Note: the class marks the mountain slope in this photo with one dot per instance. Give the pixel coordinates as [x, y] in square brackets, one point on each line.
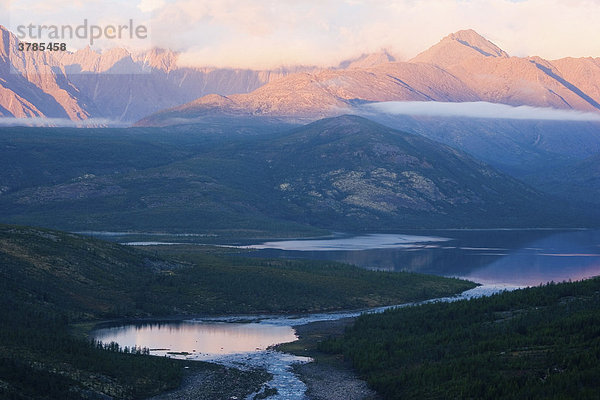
[33, 84]
[458, 47]
[121, 86]
[368, 60]
[353, 171]
[115, 84]
[584, 73]
[517, 147]
[464, 66]
[498, 78]
[550, 156]
[127, 86]
[522, 81]
[340, 173]
[576, 182]
[309, 96]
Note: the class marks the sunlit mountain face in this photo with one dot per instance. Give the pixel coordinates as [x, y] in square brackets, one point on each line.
[462, 67]
[119, 85]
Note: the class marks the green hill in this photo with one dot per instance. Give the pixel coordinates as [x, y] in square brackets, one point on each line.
[535, 343]
[351, 173]
[344, 173]
[50, 280]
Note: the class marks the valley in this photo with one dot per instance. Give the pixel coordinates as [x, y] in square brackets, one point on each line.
[218, 194]
[343, 173]
[311, 201]
[52, 280]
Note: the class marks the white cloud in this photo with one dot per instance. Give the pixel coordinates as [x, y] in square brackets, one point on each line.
[60, 122]
[150, 5]
[262, 33]
[478, 109]
[267, 33]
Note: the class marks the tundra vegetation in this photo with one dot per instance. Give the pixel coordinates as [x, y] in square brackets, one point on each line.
[55, 286]
[540, 342]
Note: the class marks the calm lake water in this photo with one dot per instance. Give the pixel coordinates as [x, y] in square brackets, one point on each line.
[513, 257]
[241, 345]
[499, 259]
[234, 342]
[200, 339]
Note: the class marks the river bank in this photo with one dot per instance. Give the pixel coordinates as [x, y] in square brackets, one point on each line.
[331, 377]
[293, 373]
[327, 377]
[216, 382]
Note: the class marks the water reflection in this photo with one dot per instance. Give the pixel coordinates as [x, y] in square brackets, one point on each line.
[514, 257]
[199, 339]
[558, 257]
[240, 345]
[180, 335]
[502, 258]
[364, 242]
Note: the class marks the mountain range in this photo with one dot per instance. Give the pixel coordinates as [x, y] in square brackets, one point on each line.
[341, 173]
[122, 86]
[116, 84]
[462, 67]
[552, 156]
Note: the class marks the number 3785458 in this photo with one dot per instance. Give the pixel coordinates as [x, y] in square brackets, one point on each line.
[27, 46]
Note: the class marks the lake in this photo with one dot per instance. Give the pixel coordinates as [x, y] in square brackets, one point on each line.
[521, 257]
[203, 340]
[499, 259]
[241, 345]
[240, 341]
[515, 257]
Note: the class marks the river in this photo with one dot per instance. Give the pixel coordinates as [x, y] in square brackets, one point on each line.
[242, 341]
[498, 259]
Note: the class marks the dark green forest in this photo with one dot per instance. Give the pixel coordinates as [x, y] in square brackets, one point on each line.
[41, 359]
[541, 342]
[341, 174]
[51, 281]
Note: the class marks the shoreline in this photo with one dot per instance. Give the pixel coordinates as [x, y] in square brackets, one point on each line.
[327, 377]
[209, 381]
[330, 377]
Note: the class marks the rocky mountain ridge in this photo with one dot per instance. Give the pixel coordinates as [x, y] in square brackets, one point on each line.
[116, 84]
[122, 86]
[463, 66]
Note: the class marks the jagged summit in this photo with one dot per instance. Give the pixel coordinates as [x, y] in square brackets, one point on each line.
[368, 60]
[33, 84]
[459, 46]
[159, 59]
[470, 38]
[120, 85]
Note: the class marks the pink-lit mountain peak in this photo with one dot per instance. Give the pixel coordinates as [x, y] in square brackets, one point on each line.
[116, 84]
[470, 38]
[459, 46]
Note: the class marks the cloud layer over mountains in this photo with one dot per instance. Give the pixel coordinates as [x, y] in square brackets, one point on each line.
[268, 34]
[479, 109]
[153, 87]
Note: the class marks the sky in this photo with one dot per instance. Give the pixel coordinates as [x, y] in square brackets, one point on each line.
[271, 33]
